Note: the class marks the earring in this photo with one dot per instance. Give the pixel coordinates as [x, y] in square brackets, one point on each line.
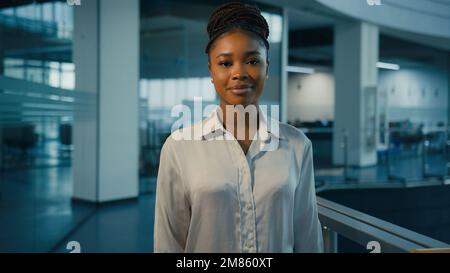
[267, 76]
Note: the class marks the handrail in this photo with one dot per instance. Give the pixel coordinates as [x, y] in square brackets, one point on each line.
[425, 130]
[363, 228]
[23, 101]
[24, 86]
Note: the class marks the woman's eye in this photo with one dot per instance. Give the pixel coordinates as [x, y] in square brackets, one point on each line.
[253, 62]
[225, 64]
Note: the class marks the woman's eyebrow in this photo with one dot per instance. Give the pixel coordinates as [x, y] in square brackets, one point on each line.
[253, 52]
[248, 53]
[224, 54]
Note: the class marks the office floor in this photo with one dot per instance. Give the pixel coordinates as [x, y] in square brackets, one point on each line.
[36, 209]
[121, 227]
[37, 215]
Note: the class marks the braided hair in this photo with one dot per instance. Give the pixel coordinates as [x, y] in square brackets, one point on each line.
[233, 16]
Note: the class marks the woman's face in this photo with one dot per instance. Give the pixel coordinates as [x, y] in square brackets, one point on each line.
[238, 66]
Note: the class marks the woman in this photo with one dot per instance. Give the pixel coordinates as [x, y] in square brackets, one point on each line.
[231, 194]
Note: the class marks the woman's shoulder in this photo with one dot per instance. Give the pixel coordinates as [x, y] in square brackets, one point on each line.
[184, 135]
[293, 134]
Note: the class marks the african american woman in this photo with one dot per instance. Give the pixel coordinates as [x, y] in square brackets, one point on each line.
[232, 194]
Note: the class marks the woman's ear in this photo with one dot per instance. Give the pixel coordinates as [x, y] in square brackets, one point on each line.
[209, 68]
[267, 69]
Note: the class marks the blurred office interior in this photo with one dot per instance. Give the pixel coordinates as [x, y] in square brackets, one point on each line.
[87, 88]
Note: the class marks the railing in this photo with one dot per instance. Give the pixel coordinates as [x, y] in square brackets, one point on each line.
[37, 26]
[370, 232]
[42, 27]
[24, 101]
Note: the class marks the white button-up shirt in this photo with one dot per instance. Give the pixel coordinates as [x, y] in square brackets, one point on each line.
[211, 197]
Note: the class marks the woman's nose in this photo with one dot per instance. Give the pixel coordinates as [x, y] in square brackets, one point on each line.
[239, 72]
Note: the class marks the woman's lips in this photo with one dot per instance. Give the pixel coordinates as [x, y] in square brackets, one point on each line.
[241, 91]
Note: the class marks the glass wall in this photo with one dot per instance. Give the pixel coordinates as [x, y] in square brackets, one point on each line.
[37, 100]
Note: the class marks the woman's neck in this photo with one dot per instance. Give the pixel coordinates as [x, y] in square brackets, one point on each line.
[241, 121]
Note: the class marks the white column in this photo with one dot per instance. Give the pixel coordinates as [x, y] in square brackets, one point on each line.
[356, 75]
[106, 57]
[284, 64]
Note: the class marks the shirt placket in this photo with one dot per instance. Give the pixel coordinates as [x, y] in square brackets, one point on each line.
[246, 202]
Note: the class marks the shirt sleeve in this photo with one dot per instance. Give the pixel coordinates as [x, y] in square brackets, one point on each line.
[307, 228]
[172, 210]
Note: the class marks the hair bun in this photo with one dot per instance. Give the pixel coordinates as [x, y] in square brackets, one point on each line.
[236, 15]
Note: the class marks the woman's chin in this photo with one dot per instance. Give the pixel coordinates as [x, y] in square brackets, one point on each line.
[240, 100]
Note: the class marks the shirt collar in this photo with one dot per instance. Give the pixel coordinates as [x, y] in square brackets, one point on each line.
[214, 126]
